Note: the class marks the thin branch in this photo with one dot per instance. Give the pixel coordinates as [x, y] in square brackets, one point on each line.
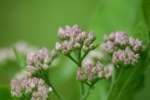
[56, 92]
[82, 91]
[69, 56]
[59, 96]
[88, 91]
[87, 94]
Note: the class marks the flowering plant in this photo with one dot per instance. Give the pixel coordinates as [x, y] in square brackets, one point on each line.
[117, 60]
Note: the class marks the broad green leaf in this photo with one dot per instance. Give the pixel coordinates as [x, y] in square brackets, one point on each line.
[5, 93]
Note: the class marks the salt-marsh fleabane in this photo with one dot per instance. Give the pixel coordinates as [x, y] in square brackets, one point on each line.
[118, 49]
[91, 73]
[126, 56]
[93, 69]
[72, 37]
[33, 83]
[40, 60]
[26, 85]
[122, 48]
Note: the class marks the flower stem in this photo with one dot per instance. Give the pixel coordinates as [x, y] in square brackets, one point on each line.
[88, 91]
[56, 93]
[70, 57]
[46, 77]
[87, 94]
[113, 76]
[113, 84]
[82, 91]
[80, 65]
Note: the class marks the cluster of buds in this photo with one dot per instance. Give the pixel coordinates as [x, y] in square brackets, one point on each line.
[25, 84]
[39, 60]
[93, 69]
[72, 37]
[124, 49]
[126, 56]
[92, 72]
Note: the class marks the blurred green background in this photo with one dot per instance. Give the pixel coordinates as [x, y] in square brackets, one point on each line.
[37, 21]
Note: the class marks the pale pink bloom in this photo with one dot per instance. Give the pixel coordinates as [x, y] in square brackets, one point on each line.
[38, 60]
[26, 84]
[108, 46]
[118, 56]
[120, 38]
[90, 70]
[135, 44]
[126, 56]
[72, 37]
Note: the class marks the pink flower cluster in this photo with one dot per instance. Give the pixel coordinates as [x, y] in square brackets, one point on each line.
[135, 44]
[92, 72]
[124, 49]
[126, 56]
[39, 60]
[24, 84]
[72, 37]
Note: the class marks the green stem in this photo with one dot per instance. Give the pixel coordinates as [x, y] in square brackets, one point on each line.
[59, 96]
[69, 56]
[113, 76]
[85, 54]
[56, 93]
[19, 58]
[87, 94]
[82, 91]
[79, 63]
[113, 85]
[88, 91]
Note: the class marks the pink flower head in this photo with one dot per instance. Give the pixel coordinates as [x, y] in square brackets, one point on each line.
[38, 60]
[126, 56]
[108, 46]
[33, 85]
[121, 38]
[69, 31]
[72, 37]
[135, 44]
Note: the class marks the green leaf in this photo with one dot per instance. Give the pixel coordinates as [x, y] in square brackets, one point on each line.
[20, 58]
[5, 92]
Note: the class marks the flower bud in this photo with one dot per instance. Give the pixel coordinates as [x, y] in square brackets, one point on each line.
[58, 46]
[135, 44]
[108, 46]
[74, 39]
[81, 74]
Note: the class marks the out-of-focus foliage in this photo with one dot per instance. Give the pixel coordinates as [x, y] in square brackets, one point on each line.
[37, 21]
